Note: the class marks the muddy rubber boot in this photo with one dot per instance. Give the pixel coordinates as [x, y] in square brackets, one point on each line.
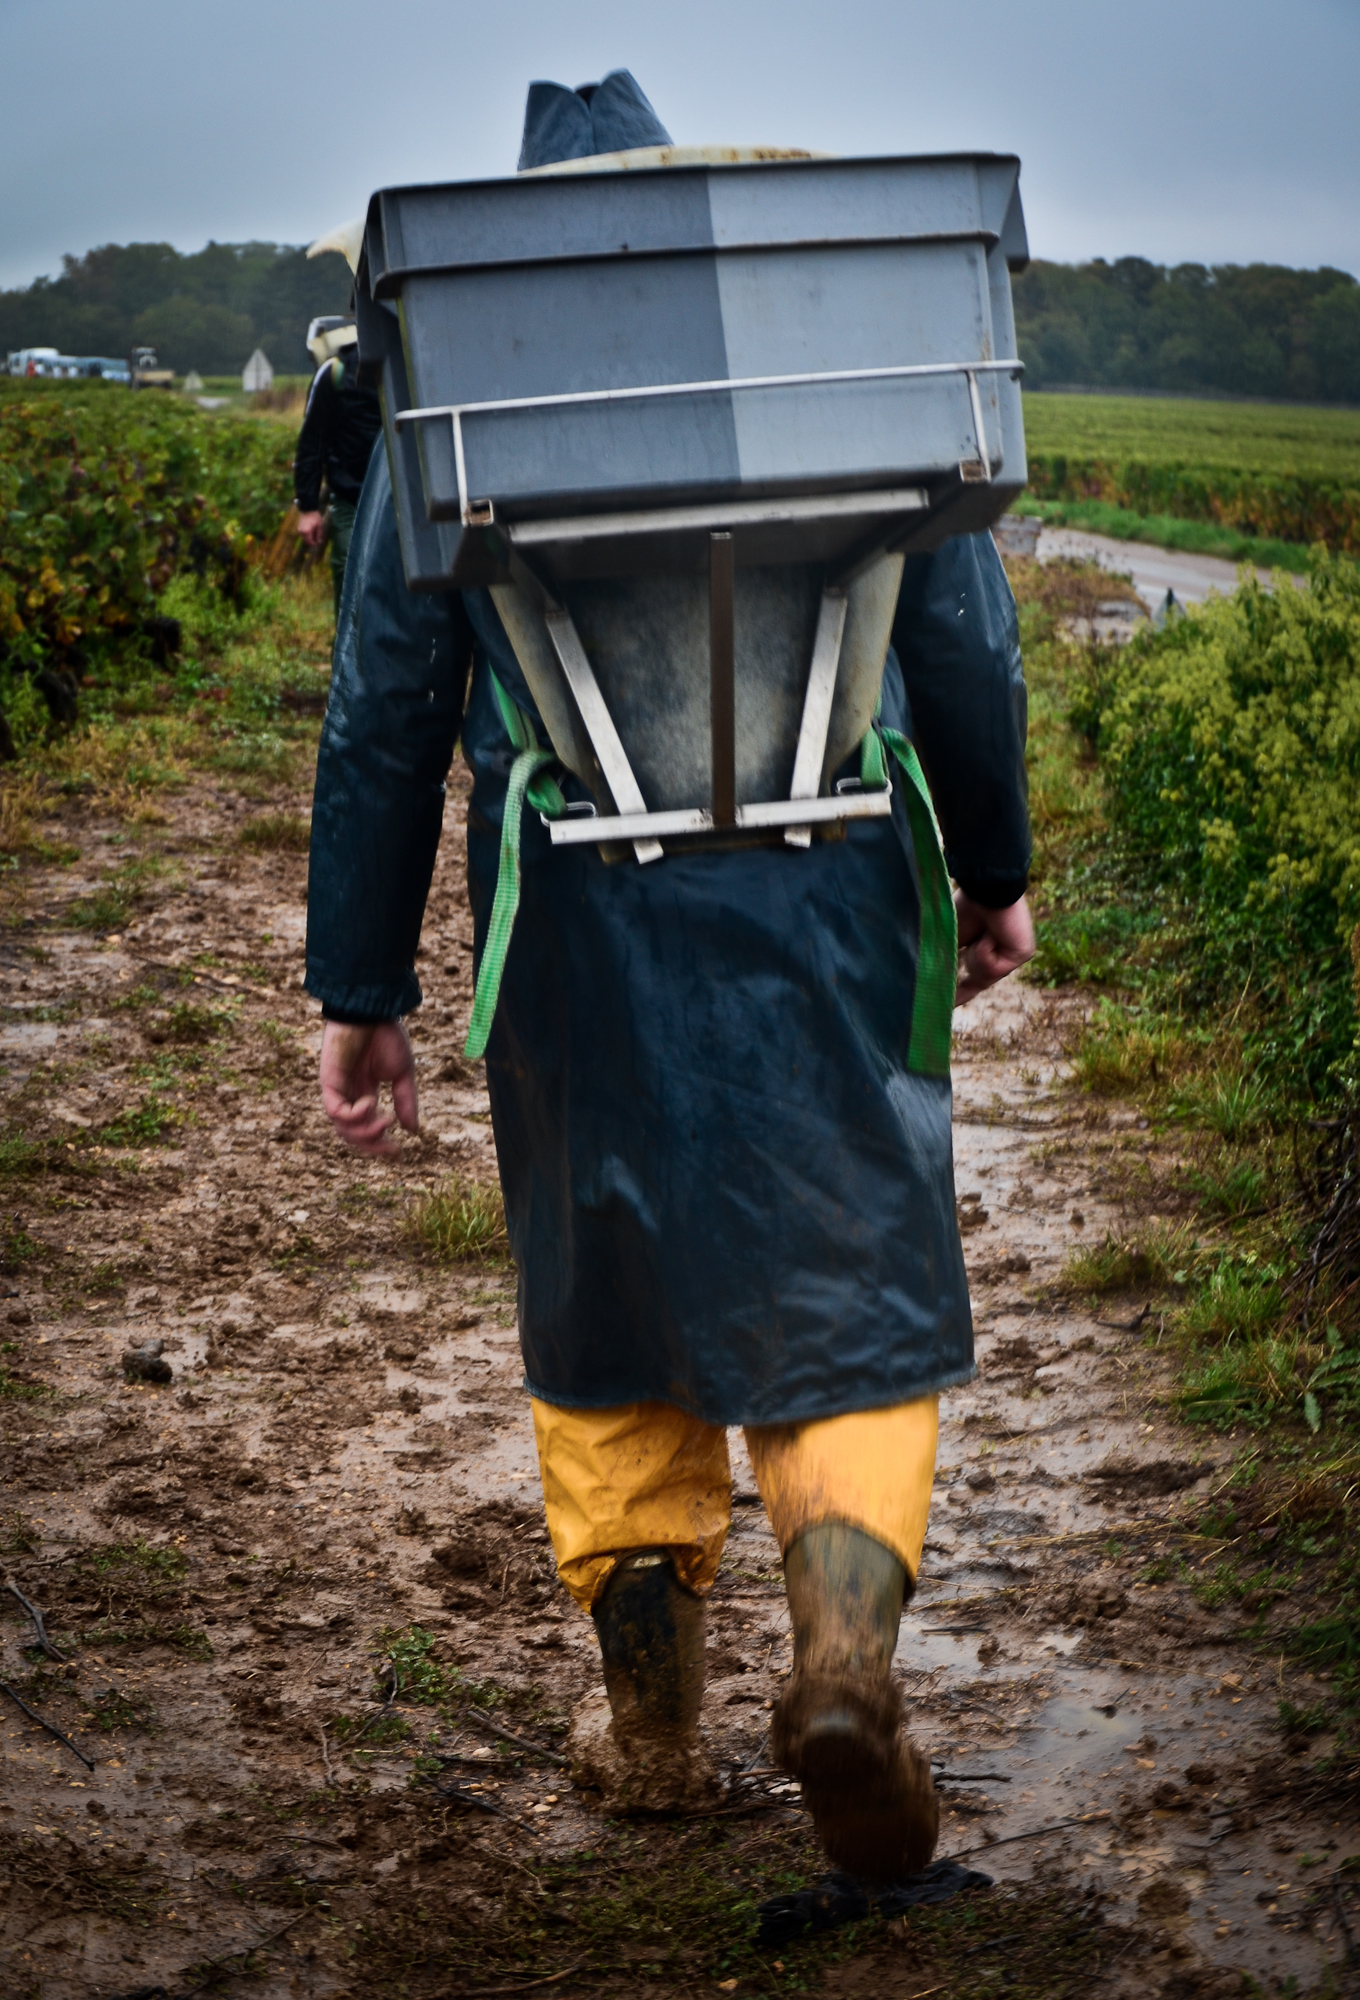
[638, 1742]
[838, 1724]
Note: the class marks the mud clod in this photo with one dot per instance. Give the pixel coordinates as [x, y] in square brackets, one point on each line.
[146, 1363]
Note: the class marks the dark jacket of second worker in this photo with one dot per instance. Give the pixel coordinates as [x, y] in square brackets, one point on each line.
[338, 434]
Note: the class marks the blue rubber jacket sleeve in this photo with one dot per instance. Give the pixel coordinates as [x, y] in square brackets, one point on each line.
[398, 683]
[957, 639]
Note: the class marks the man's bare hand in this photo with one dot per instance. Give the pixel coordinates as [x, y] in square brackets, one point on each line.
[312, 528]
[992, 943]
[355, 1063]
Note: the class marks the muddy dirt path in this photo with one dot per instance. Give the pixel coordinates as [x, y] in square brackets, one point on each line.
[233, 1562]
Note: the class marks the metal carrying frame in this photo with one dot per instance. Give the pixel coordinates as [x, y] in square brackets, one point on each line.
[531, 542]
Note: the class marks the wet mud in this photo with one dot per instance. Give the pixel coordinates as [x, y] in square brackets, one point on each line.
[301, 1612]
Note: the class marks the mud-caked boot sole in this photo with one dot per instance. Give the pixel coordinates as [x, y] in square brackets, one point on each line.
[867, 1786]
[638, 1775]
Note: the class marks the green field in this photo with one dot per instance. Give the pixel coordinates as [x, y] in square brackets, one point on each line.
[1250, 437]
[1263, 482]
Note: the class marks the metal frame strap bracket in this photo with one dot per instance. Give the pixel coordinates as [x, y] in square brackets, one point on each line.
[817, 703]
[604, 737]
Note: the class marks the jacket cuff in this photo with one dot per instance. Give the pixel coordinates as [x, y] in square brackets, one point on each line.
[363, 1006]
[993, 892]
[310, 504]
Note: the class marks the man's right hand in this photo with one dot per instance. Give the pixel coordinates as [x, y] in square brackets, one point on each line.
[355, 1063]
[992, 944]
[312, 528]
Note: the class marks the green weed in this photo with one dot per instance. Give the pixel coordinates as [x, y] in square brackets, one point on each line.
[1231, 1194]
[373, 1733]
[1120, 1053]
[1236, 1107]
[1240, 1299]
[420, 1676]
[109, 908]
[115, 1710]
[17, 1248]
[1154, 1260]
[1334, 1385]
[1303, 1721]
[146, 1126]
[252, 753]
[462, 1224]
[106, 1276]
[277, 833]
[19, 1536]
[1249, 1381]
[1162, 1569]
[17, 1389]
[1098, 946]
[136, 998]
[423, 1678]
[162, 1566]
[185, 1022]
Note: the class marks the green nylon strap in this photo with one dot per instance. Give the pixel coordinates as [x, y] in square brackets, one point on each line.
[528, 779]
[937, 965]
[932, 1012]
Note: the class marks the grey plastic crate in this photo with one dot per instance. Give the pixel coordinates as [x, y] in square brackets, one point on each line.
[599, 349]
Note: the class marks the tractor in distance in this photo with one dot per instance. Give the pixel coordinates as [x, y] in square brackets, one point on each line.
[145, 373]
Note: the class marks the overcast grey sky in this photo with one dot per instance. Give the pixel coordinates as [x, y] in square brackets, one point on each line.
[1214, 130]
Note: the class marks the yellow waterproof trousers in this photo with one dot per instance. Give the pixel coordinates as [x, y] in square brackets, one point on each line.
[647, 1476]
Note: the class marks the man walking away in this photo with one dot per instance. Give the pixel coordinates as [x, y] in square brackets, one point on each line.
[720, 1093]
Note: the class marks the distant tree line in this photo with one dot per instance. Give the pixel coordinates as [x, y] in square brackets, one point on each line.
[1242, 330]
[208, 310]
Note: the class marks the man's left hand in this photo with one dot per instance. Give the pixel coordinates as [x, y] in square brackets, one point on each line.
[992, 944]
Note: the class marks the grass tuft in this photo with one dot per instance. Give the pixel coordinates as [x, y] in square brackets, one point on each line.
[146, 1126]
[1238, 1190]
[16, 1389]
[184, 1022]
[1235, 1106]
[464, 1223]
[1155, 1260]
[1250, 1382]
[277, 832]
[1118, 1054]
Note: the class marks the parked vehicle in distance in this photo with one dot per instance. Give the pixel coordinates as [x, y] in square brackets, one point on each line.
[144, 372]
[48, 363]
[33, 360]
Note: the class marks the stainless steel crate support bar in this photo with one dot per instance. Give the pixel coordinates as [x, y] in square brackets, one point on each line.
[604, 737]
[457, 411]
